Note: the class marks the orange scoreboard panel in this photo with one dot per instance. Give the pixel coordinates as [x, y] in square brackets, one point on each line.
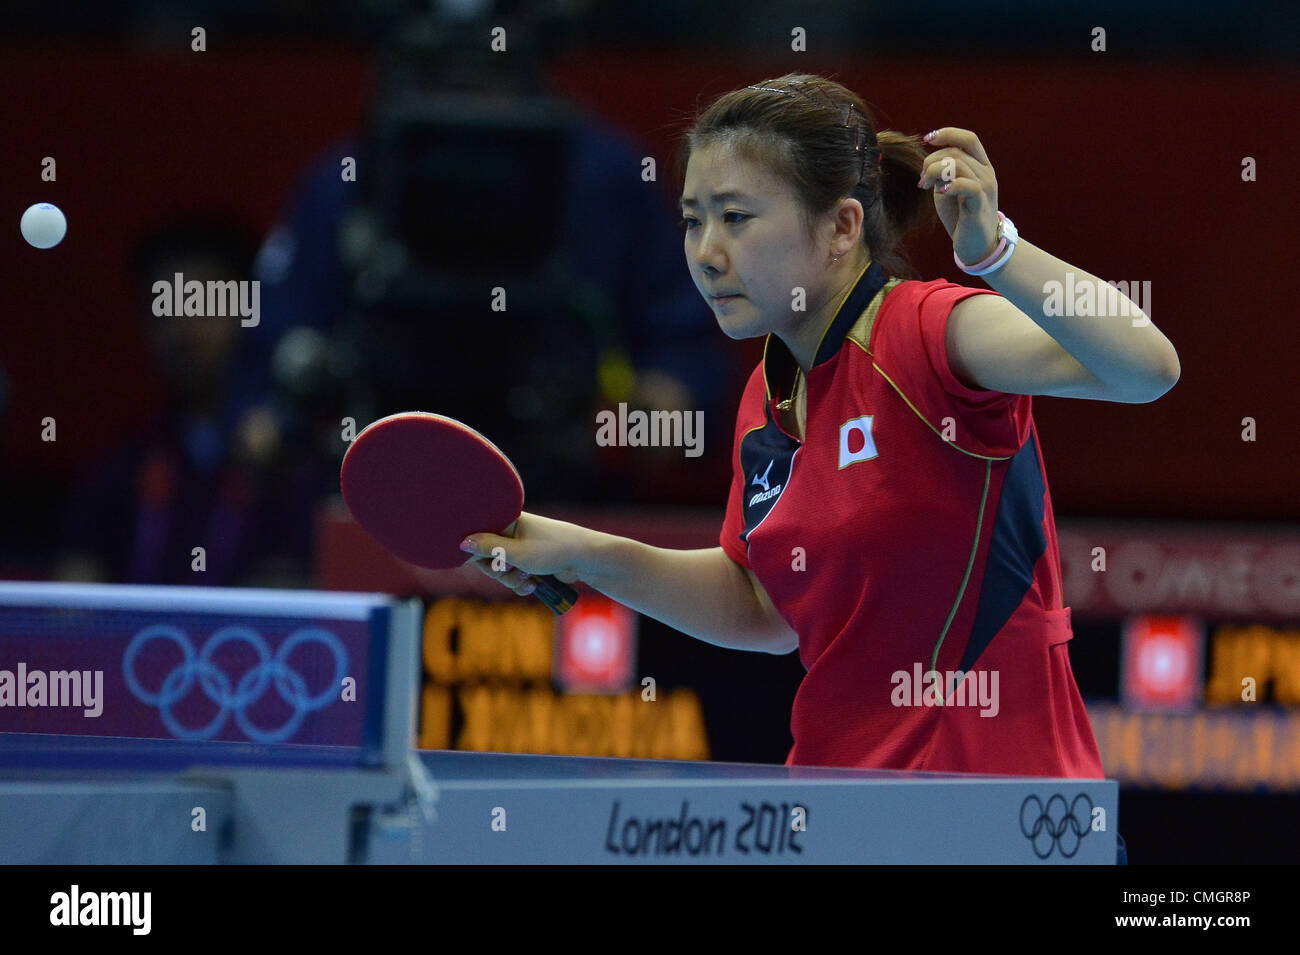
[1209, 651]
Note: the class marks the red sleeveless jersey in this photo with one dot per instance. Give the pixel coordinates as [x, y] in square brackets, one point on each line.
[909, 541]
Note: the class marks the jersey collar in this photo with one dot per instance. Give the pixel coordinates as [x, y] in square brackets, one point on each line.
[779, 364]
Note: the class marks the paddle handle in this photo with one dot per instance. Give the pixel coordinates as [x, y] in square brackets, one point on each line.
[556, 594]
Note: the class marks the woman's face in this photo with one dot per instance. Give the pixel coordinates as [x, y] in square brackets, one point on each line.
[751, 244]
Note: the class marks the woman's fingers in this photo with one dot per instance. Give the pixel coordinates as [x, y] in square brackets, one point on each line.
[511, 577]
[963, 139]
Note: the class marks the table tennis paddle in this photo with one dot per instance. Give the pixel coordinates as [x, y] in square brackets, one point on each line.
[419, 483]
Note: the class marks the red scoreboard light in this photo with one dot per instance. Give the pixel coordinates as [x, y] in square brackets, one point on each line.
[595, 645]
[1161, 665]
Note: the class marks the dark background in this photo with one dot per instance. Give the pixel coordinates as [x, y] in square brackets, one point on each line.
[1126, 163]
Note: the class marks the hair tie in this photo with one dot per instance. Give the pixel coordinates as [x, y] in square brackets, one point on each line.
[880, 156]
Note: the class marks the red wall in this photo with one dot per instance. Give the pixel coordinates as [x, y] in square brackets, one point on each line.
[1128, 171]
[136, 137]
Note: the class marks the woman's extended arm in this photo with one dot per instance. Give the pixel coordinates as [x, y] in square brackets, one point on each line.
[703, 593]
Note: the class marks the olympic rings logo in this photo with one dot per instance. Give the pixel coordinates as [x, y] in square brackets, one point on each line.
[269, 670]
[1056, 825]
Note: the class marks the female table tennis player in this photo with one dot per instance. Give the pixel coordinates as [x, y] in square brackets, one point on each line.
[889, 513]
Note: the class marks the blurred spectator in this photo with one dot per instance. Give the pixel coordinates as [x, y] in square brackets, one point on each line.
[208, 470]
[615, 237]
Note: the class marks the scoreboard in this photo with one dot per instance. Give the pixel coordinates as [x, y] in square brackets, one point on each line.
[501, 676]
[1198, 623]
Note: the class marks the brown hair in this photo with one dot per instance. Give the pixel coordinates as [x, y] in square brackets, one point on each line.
[820, 137]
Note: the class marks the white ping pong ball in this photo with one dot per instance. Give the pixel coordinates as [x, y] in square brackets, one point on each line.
[44, 225]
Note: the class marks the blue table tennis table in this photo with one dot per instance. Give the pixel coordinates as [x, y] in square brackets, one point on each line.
[67, 798]
[132, 801]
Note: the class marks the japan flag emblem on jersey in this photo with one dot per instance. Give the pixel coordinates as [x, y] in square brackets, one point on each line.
[856, 443]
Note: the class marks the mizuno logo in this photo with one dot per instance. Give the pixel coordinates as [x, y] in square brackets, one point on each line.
[763, 482]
